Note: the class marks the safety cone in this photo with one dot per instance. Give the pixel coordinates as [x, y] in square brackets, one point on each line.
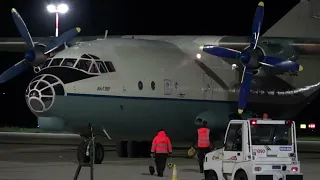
[174, 173]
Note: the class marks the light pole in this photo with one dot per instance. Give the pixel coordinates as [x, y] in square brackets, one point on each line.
[61, 8]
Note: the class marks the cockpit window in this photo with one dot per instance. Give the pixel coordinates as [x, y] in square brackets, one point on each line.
[83, 64]
[101, 67]
[94, 68]
[109, 66]
[68, 62]
[85, 56]
[93, 56]
[45, 64]
[56, 62]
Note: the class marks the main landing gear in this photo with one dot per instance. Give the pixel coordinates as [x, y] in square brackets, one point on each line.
[133, 149]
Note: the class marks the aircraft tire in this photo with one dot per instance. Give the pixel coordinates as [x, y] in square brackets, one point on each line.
[145, 148]
[99, 153]
[121, 149]
[132, 149]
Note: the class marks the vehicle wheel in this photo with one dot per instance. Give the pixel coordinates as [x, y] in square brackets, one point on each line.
[241, 175]
[211, 175]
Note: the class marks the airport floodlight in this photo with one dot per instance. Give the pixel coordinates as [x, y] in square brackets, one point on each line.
[60, 8]
[51, 8]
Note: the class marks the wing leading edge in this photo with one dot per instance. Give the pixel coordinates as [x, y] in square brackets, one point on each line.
[18, 44]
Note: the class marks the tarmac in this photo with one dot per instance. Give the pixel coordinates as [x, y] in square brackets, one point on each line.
[39, 161]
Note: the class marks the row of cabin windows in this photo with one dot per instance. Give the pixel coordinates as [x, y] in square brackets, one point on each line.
[83, 64]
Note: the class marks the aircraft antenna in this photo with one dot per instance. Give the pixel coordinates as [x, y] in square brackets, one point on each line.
[106, 34]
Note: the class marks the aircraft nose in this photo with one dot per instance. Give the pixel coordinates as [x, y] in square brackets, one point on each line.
[42, 90]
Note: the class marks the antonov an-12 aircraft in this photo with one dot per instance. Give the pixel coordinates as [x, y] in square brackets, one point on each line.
[128, 87]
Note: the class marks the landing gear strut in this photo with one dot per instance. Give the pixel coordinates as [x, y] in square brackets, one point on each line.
[89, 153]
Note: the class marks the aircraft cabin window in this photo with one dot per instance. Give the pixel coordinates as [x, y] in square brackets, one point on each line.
[153, 85]
[94, 68]
[86, 56]
[83, 64]
[56, 62]
[110, 66]
[46, 64]
[68, 62]
[140, 85]
[50, 79]
[93, 56]
[101, 67]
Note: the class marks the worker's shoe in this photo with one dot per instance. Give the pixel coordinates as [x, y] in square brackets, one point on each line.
[201, 170]
[160, 174]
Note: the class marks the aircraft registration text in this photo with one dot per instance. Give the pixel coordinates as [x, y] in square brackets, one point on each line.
[103, 88]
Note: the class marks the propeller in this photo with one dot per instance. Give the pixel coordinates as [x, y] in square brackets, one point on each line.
[35, 55]
[251, 58]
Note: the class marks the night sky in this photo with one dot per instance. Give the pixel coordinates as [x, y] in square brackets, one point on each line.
[124, 17]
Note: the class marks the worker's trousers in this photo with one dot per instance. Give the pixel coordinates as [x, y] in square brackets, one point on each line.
[201, 155]
[161, 161]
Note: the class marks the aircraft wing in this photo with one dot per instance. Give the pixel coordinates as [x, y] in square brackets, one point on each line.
[18, 44]
[304, 46]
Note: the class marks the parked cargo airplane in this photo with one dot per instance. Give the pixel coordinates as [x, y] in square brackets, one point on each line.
[130, 86]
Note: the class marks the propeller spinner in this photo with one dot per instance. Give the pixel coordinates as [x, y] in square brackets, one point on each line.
[33, 52]
[251, 59]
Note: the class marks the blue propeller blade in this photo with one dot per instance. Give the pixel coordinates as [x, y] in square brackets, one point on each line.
[245, 89]
[256, 26]
[246, 56]
[221, 51]
[282, 64]
[22, 28]
[58, 41]
[13, 71]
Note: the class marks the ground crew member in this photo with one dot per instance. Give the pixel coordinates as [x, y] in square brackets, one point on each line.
[161, 148]
[204, 142]
[265, 116]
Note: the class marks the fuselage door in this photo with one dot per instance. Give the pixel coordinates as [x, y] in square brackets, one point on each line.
[167, 87]
[207, 87]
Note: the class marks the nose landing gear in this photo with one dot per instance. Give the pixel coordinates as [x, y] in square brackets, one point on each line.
[89, 153]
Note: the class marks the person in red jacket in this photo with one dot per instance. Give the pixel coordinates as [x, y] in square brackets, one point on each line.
[161, 148]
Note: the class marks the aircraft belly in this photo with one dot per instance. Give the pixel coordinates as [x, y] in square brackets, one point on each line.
[140, 118]
[136, 117]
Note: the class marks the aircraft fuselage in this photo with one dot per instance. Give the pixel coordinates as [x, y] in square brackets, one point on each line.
[158, 83]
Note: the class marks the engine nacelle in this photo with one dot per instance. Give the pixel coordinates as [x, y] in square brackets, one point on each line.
[274, 50]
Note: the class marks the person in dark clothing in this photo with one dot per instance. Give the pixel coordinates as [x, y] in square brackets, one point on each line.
[161, 149]
[204, 142]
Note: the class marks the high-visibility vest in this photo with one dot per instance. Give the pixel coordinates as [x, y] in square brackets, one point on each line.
[161, 144]
[203, 137]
